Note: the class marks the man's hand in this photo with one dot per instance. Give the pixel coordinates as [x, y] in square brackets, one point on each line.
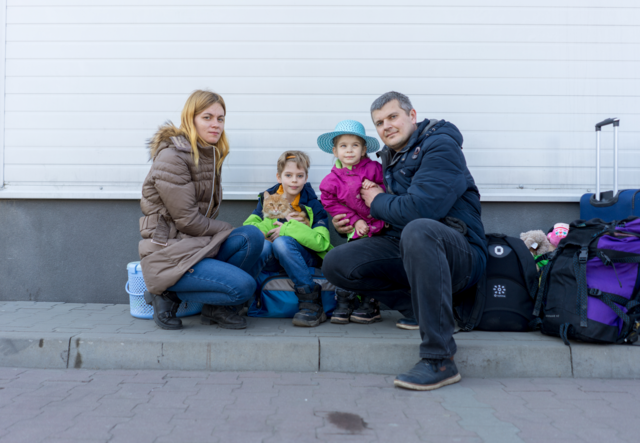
[341, 224]
[274, 233]
[298, 216]
[369, 194]
[362, 228]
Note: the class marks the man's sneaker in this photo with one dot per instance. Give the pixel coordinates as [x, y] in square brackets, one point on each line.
[429, 374]
[408, 323]
[368, 312]
[343, 310]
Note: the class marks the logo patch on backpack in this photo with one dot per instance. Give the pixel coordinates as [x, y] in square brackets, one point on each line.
[499, 251]
[499, 291]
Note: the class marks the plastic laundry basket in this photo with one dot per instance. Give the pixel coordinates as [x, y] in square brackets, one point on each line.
[139, 308]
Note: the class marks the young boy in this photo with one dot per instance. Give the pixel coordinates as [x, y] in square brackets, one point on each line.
[292, 244]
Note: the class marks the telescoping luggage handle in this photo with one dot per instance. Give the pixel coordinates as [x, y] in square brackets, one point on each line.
[616, 123]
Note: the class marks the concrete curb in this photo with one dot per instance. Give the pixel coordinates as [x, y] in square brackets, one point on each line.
[107, 337]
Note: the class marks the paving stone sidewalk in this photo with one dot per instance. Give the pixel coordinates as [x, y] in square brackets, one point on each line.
[56, 406]
[97, 336]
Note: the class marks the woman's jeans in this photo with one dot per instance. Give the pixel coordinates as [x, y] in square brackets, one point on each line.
[224, 280]
[286, 253]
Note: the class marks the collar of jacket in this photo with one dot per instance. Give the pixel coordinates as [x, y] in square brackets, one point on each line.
[345, 170]
[417, 136]
[182, 144]
[306, 194]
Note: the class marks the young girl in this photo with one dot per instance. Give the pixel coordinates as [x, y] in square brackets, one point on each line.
[340, 189]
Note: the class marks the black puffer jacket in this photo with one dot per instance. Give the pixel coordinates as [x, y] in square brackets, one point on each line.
[429, 178]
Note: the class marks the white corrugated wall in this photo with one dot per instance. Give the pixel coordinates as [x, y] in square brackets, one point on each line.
[88, 81]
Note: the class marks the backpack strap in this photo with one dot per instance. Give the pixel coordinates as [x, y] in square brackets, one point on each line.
[614, 301]
[542, 292]
[580, 259]
[564, 331]
[527, 264]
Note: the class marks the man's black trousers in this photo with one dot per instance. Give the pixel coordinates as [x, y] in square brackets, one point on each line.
[429, 263]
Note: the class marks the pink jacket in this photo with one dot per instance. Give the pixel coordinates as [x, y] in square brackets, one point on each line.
[341, 193]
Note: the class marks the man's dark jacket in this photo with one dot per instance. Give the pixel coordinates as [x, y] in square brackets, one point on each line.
[429, 178]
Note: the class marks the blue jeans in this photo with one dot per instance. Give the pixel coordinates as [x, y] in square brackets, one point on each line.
[286, 253]
[224, 280]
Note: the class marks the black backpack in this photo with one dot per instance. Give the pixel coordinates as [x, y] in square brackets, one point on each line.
[594, 258]
[503, 298]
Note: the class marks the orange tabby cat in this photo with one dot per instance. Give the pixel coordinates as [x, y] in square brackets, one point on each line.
[277, 207]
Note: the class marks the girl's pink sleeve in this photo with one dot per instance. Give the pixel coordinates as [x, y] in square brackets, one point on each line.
[333, 206]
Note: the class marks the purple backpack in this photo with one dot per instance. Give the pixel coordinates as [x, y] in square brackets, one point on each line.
[590, 289]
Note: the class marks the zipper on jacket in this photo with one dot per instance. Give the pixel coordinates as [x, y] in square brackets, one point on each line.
[213, 185]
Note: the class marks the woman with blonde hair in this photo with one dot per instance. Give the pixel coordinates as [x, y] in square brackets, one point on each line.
[186, 254]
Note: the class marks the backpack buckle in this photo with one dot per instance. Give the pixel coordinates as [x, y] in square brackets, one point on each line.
[584, 256]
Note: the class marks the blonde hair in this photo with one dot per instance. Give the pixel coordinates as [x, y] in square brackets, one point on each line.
[197, 103]
[298, 157]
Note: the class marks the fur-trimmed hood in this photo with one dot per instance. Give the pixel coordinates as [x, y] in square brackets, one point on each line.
[163, 138]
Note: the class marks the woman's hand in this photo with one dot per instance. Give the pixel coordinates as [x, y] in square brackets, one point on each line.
[274, 233]
[341, 224]
[299, 217]
[362, 228]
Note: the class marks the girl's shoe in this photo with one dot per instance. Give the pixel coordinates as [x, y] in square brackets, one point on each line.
[343, 310]
[311, 311]
[368, 312]
[165, 307]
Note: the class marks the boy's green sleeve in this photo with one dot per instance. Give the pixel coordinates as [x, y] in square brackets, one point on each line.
[255, 220]
[317, 239]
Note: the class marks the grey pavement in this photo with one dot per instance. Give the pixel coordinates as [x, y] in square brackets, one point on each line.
[105, 336]
[80, 405]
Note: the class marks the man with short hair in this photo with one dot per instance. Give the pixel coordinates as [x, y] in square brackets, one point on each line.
[433, 245]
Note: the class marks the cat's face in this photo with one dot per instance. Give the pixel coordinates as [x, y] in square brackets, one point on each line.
[275, 206]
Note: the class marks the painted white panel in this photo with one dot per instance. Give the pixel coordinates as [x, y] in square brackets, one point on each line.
[204, 48]
[89, 81]
[3, 21]
[324, 14]
[355, 32]
[426, 104]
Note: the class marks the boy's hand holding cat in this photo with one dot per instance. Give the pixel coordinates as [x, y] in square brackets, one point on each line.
[299, 217]
[274, 233]
[362, 228]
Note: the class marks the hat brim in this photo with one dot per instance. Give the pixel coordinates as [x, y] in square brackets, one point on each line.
[325, 141]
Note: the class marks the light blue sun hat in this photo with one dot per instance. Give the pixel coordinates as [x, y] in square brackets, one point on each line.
[352, 127]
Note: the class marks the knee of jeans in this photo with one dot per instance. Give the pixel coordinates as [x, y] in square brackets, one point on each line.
[282, 246]
[245, 288]
[254, 236]
[419, 235]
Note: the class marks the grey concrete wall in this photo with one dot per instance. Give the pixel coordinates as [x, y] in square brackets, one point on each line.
[77, 250]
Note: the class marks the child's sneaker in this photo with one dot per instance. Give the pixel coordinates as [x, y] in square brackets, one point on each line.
[408, 323]
[368, 312]
[343, 310]
[311, 313]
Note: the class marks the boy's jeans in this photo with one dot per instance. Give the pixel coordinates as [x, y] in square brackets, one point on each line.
[225, 279]
[286, 253]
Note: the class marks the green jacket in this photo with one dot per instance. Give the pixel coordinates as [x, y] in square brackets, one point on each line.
[317, 239]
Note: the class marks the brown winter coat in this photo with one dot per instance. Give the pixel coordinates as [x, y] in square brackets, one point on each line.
[179, 227]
